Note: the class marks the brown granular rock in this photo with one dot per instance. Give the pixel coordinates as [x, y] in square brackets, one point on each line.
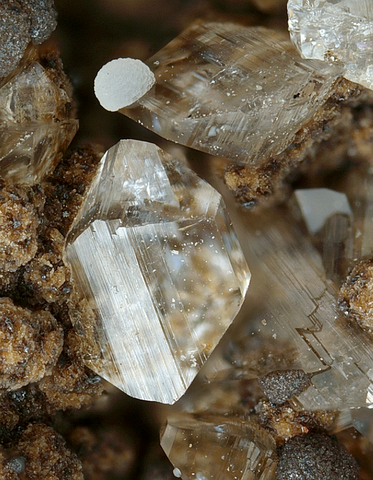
[105, 452]
[46, 277]
[284, 422]
[71, 384]
[47, 456]
[18, 226]
[356, 294]
[316, 457]
[31, 343]
[280, 385]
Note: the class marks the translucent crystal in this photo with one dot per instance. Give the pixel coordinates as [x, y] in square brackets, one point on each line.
[34, 124]
[293, 320]
[156, 261]
[208, 447]
[335, 30]
[233, 91]
[362, 420]
[329, 220]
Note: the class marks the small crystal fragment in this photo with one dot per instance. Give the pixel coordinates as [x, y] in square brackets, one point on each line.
[35, 125]
[122, 82]
[212, 447]
[237, 92]
[335, 30]
[158, 266]
[319, 204]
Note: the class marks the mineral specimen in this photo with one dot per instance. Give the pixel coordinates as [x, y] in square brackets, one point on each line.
[35, 124]
[22, 21]
[316, 457]
[212, 446]
[158, 266]
[237, 92]
[337, 31]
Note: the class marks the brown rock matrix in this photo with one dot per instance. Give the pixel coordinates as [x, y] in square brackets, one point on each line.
[31, 343]
[18, 226]
[316, 457]
[280, 385]
[357, 294]
[22, 22]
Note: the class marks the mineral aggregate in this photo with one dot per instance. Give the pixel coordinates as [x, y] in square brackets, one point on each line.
[22, 22]
[281, 385]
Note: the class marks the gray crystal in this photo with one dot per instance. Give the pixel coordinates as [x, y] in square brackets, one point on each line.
[156, 261]
[335, 30]
[238, 92]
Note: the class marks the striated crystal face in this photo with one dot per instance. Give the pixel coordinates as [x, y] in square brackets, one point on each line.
[157, 263]
[232, 91]
[335, 30]
[218, 447]
[34, 124]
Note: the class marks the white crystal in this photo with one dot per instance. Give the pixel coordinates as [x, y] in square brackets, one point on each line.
[153, 254]
[319, 204]
[336, 30]
[122, 82]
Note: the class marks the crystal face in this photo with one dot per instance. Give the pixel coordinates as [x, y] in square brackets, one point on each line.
[155, 258]
[34, 124]
[219, 447]
[335, 30]
[233, 91]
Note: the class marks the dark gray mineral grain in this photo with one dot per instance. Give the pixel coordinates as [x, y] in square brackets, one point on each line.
[281, 385]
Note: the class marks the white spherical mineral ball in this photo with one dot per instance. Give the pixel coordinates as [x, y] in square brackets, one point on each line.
[122, 82]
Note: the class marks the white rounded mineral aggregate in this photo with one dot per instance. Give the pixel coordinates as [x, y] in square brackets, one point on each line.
[121, 82]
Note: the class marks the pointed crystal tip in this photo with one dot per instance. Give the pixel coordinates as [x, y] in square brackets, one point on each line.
[159, 269]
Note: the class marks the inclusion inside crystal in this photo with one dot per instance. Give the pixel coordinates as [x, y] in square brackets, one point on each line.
[155, 257]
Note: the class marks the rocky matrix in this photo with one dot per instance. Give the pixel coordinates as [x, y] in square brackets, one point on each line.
[156, 272]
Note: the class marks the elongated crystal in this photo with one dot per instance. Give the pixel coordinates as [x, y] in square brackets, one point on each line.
[156, 261]
[335, 30]
[237, 92]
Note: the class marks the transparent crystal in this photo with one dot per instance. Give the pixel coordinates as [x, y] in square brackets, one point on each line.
[233, 91]
[335, 30]
[156, 260]
[293, 321]
[34, 125]
[362, 420]
[217, 447]
[329, 220]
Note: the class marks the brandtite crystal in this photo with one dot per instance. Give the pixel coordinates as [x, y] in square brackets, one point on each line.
[233, 91]
[157, 263]
[337, 31]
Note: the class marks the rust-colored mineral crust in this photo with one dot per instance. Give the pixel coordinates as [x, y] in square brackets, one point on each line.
[31, 343]
[356, 298]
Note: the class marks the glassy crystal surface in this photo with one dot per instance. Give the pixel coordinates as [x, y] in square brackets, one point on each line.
[217, 447]
[34, 125]
[232, 91]
[293, 320]
[329, 220]
[335, 30]
[156, 260]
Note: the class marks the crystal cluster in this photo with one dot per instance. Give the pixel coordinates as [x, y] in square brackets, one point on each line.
[335, 30]
[156, 261]
[35, 123]
[237, 92]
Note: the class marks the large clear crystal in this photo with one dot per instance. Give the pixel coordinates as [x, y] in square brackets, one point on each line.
[233, 91]
[157, 263]
[206, 446]
[34, 124]
[335, 30]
